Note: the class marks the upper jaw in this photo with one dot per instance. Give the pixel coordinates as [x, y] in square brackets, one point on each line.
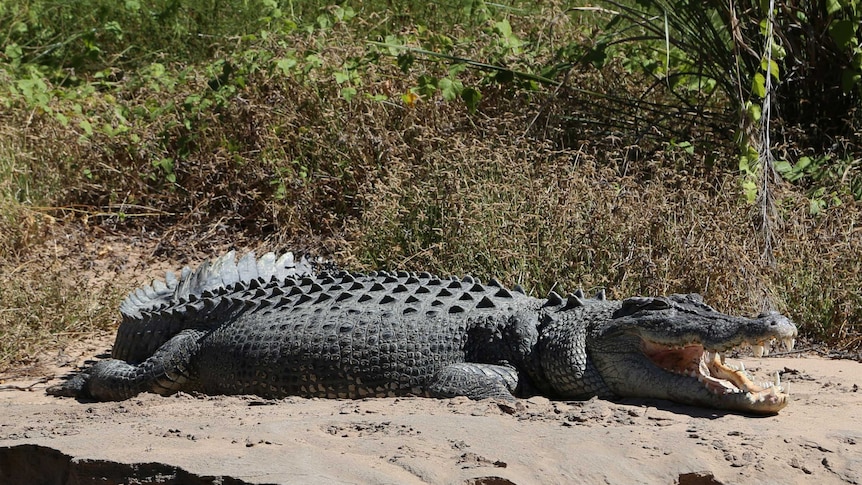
[716, 331]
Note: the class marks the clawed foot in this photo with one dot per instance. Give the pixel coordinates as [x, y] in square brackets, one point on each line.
[76, 386]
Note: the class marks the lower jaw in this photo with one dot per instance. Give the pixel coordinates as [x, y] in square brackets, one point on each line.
[766, 401]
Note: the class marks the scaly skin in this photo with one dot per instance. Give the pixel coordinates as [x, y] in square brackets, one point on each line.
[269, 327]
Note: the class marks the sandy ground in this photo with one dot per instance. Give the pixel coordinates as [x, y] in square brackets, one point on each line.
[816, 439]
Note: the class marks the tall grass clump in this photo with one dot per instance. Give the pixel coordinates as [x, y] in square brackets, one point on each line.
[804, 58]
[70, 41]
[44, 300]
[46, 306]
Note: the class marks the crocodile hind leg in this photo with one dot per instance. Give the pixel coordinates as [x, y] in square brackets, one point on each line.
[165, 372]
[476, 381]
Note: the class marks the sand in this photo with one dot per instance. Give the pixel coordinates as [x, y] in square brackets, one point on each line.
[190, 439]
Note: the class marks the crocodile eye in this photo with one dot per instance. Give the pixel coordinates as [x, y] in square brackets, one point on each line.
[659, 304]
[639, 303]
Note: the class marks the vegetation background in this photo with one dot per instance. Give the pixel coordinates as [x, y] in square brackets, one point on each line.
[645, 147]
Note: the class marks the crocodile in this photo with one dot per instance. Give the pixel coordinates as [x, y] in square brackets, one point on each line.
[276, 327]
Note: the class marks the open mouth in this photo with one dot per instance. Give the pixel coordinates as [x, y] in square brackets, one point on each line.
[711, 370]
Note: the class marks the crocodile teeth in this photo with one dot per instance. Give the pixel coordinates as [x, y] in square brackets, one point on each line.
[762, 349]
[759, 350]
[711, 356]
[777, 381]
[704, 370]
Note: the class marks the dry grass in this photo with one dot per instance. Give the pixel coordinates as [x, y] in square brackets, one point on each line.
[284, 163]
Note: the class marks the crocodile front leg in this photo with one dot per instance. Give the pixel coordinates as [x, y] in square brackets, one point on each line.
[165, 372]
[476, 381]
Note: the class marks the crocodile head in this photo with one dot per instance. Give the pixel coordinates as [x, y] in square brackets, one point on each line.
[674, 348]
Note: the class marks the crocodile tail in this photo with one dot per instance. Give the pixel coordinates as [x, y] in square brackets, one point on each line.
[154, 313]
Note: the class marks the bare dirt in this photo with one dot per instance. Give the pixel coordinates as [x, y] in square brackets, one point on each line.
[242, 439]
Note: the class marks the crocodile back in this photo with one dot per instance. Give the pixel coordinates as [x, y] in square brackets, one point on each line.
[349, 335]
[200, 298]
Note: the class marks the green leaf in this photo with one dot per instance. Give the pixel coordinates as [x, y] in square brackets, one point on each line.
[405, 61]
[427, 85]
[772, 66]
[342, 76]
[843, 32]
[749, 189]
[392, 43]
[348, 93]
[114, 27]
[14, 51]
[597, 55]
[782, 166]
[748, 160]
[457, 68]
[850, 78]
[450, 89]
[503, 28]
[764, 25]
[471, 97]
[286, 65]
[167, 166]
[754, 112]
[778, 51]
[280, 189]
[815, 206]
[343, 14]
[833, 6]
[19, 27]
[312, 62]
[758, 85]
[155, 70]
[86, 126]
